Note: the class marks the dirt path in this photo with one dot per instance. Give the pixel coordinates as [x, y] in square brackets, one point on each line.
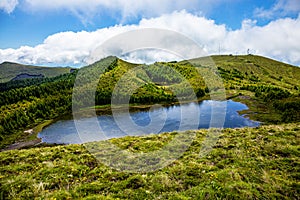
[20, 145]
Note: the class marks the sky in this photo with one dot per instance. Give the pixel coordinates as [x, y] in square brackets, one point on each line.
[66, 32]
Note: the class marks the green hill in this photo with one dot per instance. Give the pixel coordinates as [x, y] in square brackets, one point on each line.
[269, 88]
[10, 70]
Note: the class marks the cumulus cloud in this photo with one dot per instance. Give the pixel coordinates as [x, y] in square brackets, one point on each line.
[280, 9]
[65, 48]
[278, 39]
[150, 56]
[150, 44]
[8, 5]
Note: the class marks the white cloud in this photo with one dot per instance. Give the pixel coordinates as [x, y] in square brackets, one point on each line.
[278, 39]
[8, 5]
[280, 9]
[150, 56]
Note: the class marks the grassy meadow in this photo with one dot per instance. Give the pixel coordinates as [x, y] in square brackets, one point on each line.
[246, 163]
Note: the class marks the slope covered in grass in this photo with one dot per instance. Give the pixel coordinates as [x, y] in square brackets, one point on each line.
[247, 163]
[260, 69]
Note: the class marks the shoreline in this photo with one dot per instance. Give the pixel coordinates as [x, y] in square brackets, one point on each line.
[32, 140]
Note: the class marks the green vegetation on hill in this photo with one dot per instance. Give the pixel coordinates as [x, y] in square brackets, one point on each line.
[247, 163]
[252, 69]
[25, 107]
[10, 70]
[268, 87]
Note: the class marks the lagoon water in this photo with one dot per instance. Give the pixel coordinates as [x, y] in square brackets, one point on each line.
[188, 116]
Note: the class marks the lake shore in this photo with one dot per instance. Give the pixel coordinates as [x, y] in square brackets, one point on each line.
[31, 135]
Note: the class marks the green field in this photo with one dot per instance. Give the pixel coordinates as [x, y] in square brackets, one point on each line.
[247, 163]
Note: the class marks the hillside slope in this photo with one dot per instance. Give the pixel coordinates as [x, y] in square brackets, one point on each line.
[253, 69]
[10, 70]
[264, 70]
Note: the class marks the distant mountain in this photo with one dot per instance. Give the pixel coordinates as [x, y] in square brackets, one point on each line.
[14, 71]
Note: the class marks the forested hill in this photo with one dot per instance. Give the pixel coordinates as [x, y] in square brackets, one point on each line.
[267, 84]
[11, 70]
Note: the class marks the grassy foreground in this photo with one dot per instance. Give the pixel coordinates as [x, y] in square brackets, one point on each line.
[247, 163]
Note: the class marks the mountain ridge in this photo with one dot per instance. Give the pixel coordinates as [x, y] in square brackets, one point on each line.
[10, 70]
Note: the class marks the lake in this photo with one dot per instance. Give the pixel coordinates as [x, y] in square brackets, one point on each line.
[156, 120]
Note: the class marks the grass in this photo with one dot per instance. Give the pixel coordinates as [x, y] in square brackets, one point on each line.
[247, 163]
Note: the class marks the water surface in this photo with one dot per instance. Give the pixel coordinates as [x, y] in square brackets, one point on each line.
[166, 119]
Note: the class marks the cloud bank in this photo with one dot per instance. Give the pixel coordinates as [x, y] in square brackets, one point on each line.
[279, 40]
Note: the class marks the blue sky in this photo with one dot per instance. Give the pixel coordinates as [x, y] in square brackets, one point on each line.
[27, 25]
